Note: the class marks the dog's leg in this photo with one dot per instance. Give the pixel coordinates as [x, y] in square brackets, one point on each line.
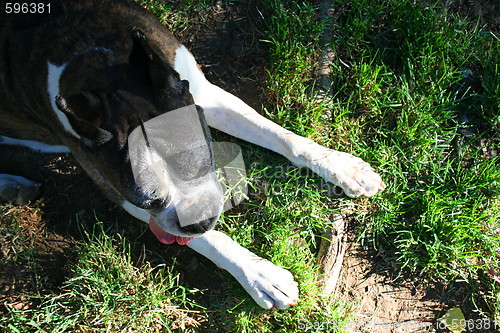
[229, 114]
[16, 189]
[269, 285]
[36, 146]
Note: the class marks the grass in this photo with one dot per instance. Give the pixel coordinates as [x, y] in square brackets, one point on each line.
[407, 77]
[177, 20]
[416, 93]
[105, 291]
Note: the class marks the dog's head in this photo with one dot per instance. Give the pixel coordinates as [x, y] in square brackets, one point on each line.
[104, 97]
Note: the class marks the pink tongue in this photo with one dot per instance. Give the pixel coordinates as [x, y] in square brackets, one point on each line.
[164, 236]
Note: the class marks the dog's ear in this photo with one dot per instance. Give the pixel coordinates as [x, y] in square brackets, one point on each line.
[141, 55]
[156, 69]
[83, 110]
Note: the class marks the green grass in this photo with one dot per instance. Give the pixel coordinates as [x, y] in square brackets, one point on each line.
[177, 20]
[401, 101]
[404, 78]
[107, 292]
[401, 93]
[292, 62]
[281, 222]
[410, 104]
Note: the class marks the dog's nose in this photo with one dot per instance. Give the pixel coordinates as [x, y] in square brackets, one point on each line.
[200, 227]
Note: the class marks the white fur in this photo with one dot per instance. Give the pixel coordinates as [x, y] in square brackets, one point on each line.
[269, 285]
[188, 69]
[53, 77]
[160, 182]
[136, 212]
[17, 189]
[35, 145]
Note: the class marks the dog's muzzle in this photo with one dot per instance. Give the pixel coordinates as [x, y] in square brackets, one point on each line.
[172, 160]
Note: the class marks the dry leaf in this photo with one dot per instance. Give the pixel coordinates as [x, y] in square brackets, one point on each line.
[454, 320]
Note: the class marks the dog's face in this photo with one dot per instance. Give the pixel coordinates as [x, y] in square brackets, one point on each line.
[105, 98]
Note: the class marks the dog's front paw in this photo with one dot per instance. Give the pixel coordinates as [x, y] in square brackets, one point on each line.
[352, 174]
[269, 285]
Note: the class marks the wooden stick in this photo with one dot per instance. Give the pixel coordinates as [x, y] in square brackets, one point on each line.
[331, 255]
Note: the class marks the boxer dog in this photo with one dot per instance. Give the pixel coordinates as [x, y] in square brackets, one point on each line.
[81, 76]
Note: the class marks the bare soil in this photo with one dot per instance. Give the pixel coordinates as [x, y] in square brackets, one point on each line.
[224, 37]
[388, 299]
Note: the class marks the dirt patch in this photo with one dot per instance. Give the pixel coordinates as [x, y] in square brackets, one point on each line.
[387, 298]
[484, 12]
[226, 40]
[384, 301]
[33, 257]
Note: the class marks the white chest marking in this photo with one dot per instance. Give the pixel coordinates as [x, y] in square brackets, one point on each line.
[53, 77]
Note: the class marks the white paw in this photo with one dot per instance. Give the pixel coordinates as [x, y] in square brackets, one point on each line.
[269, 285]
[352, 174]
[17, 190]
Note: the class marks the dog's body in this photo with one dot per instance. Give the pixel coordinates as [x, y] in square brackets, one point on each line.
[83, 76]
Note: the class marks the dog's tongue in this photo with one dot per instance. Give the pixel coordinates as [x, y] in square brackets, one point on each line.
[164, 236]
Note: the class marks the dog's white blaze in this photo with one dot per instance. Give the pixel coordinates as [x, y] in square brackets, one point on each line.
[53, 77]
[136, 212]
[161, 183]
[151, 173]
[35, 145]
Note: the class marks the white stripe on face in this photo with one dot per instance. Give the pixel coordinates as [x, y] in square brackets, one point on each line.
[53, 77]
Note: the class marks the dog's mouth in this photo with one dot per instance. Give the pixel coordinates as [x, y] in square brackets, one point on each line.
[165, 237]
